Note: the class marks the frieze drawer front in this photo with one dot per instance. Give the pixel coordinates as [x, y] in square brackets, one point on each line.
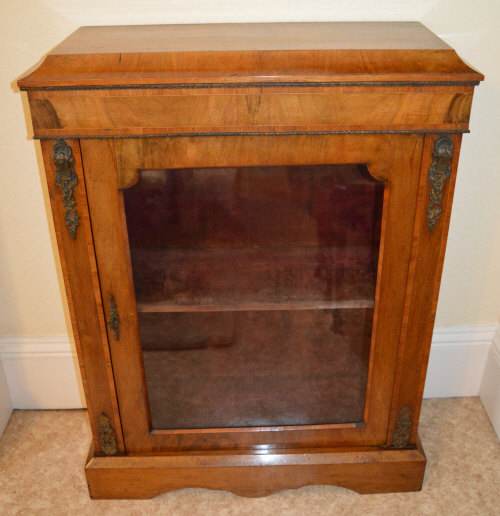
[251, 221]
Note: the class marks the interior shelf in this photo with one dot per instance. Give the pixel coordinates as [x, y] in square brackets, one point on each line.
[297, 278]
[250, 307]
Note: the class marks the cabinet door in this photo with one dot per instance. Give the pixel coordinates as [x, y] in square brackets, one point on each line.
[254, 286]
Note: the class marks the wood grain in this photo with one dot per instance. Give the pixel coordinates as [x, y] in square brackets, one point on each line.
[363, 470]
[84, 298]
[163, 98]
[401, 173]
[249, 36]
[252, 111]
[110, 237]
[423, 289]
[235, 53]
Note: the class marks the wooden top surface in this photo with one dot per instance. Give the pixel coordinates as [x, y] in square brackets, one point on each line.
[267, 52]
[249, 36]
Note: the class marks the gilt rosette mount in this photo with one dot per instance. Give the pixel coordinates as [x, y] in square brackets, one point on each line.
[439, 172]
[107, 436]
[66, 180]
[402, 429]
[114, 320]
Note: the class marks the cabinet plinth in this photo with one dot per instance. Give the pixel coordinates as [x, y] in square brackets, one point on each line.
[252, 221]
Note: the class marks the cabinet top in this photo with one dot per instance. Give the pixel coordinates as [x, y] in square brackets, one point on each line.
[147, 55]
[249, 36]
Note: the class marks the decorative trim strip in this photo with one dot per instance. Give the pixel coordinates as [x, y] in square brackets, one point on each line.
[66, 180]
[249, 133]
[464, 335]
[59, 346]
[439, 173]
[206, 85]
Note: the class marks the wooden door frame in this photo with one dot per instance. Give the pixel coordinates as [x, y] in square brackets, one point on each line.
[399, 159]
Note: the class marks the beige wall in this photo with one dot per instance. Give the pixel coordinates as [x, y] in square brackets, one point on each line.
[30, 283]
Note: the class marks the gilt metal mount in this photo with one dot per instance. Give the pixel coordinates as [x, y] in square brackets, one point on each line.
[106, 436]
[66, 180]
[114, 320]
[402, 429]
[438, 174]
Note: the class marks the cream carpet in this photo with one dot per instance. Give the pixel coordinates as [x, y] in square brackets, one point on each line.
[42, 454]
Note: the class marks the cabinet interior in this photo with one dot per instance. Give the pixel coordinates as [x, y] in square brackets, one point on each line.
[255, 290]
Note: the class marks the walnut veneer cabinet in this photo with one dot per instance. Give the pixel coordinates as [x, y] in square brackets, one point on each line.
[252, 221]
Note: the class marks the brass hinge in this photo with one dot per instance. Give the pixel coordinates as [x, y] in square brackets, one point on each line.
[438, 174]
[66, 180]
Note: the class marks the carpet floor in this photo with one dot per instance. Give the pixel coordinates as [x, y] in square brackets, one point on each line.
[42, 454]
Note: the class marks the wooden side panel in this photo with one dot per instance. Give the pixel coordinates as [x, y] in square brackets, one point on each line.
[82, 289]
[110, 233]
[426, 265]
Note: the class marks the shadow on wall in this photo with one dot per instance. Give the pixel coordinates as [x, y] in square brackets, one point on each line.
[40, 372]
[471, 276]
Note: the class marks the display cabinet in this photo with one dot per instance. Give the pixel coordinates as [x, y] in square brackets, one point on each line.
[251, 222]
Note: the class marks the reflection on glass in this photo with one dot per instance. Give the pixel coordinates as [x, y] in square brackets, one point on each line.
[255, 290]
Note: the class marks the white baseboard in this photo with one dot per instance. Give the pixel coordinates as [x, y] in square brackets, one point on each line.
[457, 360]
[42, 373]
[490, 387]
[5, 403]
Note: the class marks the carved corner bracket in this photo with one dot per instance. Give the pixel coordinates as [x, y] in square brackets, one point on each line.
[106, 436]
[439, 172]
[66, 180]
[402, 429]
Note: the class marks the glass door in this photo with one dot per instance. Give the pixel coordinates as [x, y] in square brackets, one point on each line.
[255, 290]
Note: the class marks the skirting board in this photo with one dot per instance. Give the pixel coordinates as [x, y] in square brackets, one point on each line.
[457, 360]
[490, 386]
[42, 373]
[5, 403]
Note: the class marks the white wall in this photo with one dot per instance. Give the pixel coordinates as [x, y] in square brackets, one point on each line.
[30, 283]
[470, 292]
[30, 303]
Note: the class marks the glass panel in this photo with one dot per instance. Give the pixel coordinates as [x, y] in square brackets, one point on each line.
[255, 290]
